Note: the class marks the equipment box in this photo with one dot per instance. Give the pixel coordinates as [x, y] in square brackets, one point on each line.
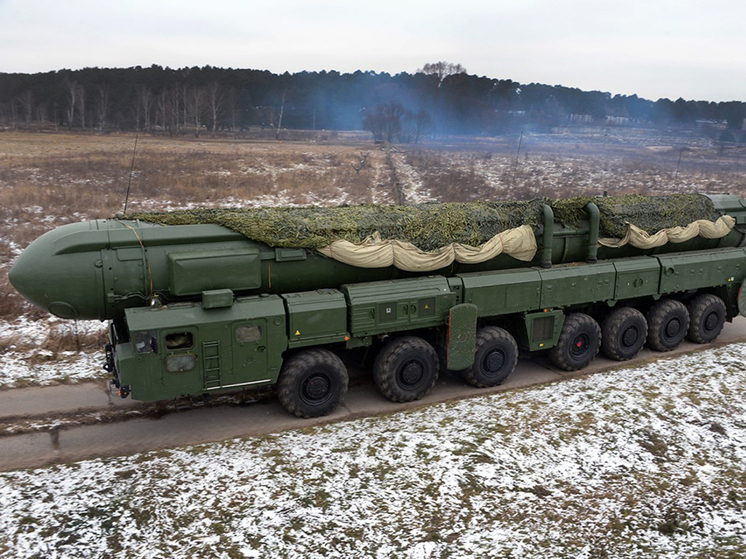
[388, 306]
[316, 317]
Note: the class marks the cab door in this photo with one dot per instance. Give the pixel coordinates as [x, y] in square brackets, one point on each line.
[250, 341]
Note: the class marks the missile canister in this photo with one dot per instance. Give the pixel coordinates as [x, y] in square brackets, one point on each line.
[97, 269]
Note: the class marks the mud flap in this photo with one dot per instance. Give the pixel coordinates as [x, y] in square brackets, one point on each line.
[742, 299]
[462, 336]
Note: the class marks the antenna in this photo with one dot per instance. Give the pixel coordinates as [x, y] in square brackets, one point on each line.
[129, 181]
[517, 153]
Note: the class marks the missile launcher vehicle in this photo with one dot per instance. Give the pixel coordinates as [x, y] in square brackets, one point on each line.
[210, 301]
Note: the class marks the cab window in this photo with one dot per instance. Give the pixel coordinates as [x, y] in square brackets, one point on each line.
[246, 334]
[179, 340]
[146, 342]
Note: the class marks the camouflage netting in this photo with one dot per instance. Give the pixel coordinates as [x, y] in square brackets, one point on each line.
[432, 226]
[649, 213]
[427, 226]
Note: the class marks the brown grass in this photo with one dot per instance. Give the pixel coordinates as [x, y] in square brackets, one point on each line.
[50, 179]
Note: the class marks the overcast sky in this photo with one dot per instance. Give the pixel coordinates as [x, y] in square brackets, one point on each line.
[655, 48]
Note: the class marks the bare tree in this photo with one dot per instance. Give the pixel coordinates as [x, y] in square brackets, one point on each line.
[215, 102]
[27, 104]
[185, 103]
[13, 106]
[283, 97]
[442, 70]
[72, 98]
[232, 106]
[162, 107]
[422, 124]
[197, 104]
[174, 105]
[146, 101]
[80, 94]
[41, 114]
[102, 104]
[385, 121]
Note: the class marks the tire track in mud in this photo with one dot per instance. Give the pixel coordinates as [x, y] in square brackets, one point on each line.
[45, 439]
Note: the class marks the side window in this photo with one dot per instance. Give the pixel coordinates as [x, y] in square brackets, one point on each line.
[248, 334]
[146, 342]
[179, 340]
[181, 363]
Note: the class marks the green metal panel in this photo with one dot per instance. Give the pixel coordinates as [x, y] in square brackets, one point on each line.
[289, 254]
[684, 271]
[217, 298]
[190, 273]
[316, 317]
[576, 284]
[462, 336]
[499, 293]
[636, 277]
[539, 330]
[388, 306]
[233, 346]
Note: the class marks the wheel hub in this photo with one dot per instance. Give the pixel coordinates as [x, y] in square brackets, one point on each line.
[580, 345]
[630, 337]
[411, 373]
[317, 387]
[711, 321]
[494, 361]
[673, 328]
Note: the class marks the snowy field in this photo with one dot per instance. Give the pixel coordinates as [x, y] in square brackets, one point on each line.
[23, 363]
[642, 462]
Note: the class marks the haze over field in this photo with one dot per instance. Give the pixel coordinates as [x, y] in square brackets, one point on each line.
[667, 48]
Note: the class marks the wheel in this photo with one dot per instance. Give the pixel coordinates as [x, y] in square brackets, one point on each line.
[623, 334]
[707, 317]
[578, 342]
[312, 383]
[668, 322]
[406, 369]
[495, 358]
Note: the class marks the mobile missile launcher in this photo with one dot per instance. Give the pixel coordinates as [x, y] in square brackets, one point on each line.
[200, 306]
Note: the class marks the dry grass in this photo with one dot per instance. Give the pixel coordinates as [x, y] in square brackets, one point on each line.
[50, 179]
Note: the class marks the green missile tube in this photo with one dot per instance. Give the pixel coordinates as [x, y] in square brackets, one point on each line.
[97, 269]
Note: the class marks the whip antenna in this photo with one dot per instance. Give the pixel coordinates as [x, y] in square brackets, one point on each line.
[129, 181]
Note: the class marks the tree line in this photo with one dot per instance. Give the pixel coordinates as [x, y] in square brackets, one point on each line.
[440, 98]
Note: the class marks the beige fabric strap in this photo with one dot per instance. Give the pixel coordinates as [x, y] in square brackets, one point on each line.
[703, 228]
[375, 252]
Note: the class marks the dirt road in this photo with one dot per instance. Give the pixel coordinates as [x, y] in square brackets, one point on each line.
[111, 432]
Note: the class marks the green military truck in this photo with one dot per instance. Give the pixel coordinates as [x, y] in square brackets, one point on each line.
[205, 304]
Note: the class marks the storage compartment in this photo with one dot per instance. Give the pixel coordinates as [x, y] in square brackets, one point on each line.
[191, 273]
[316, 317]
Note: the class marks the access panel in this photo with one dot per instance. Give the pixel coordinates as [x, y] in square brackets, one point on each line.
[388, 306]
[500, 293]
[684, 271]
[636, 277]
[576, 284]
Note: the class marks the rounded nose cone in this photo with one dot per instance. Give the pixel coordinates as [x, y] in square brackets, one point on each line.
[57, 279]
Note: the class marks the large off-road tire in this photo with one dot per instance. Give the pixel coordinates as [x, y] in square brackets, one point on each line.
[706, 318]
[668, 322]
[578, 342]
[623, 334]
[312, 383]
[406, 369]
[495, 358]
